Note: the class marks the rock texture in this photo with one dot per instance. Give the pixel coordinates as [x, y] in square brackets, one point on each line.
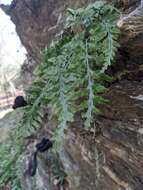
[112, 157]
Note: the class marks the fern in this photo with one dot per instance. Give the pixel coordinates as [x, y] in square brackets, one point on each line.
[110, 45]
[74, 67]
[70, 78]
[57, 92]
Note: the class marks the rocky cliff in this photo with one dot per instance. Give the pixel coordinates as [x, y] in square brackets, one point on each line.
[112, 157]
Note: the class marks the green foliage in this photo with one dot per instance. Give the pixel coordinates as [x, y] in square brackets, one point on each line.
[75, 65]
[70, 79]
[9, 153]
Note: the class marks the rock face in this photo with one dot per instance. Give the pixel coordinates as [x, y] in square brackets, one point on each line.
[111, 158]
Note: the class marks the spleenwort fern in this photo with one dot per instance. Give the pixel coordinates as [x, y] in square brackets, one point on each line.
[70, 78]
[111, 46]
[75, 64]
[61, 100]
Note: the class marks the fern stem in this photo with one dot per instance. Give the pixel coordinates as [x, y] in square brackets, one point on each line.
[90, 89]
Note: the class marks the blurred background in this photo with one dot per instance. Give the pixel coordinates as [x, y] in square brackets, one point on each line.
[12, 56]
